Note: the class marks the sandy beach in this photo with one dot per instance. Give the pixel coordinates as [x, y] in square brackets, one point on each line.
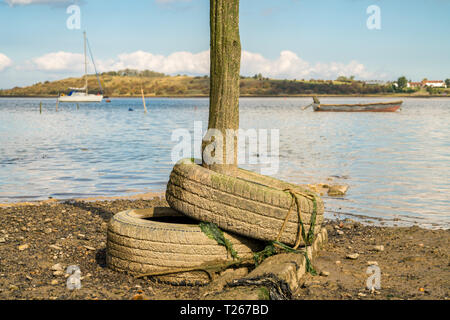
[34, 239]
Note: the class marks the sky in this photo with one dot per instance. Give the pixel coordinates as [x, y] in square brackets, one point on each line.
[284, 39]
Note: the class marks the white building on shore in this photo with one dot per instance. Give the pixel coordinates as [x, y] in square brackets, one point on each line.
[427, 83]
[434, 83]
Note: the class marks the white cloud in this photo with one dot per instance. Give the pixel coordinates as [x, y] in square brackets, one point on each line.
[178, 62]
[59, 61]
[5, 62]
[12, 3]
[287, 66]
[290, 66]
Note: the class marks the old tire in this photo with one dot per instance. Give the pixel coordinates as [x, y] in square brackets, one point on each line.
[138, 245]
[250, 204]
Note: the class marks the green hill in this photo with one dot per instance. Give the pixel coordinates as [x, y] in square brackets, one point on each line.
[128, 83]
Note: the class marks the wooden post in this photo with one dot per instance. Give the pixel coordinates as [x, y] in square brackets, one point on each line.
[143, 100]
[78, 107]
[40, 108]
[57, 103]
[225, 66]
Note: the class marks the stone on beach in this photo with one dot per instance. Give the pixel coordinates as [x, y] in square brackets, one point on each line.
[337, 190]
[352, 256]
[57, 267]
[23, 247]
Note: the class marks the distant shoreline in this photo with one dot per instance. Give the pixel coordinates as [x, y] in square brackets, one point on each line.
[128, 84]
[260, 96]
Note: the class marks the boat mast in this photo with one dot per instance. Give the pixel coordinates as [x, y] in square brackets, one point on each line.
[85, 64]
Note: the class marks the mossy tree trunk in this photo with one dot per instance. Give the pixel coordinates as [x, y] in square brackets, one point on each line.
[224, 80]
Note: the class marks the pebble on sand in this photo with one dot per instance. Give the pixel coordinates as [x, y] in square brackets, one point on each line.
[57, 267]
[353, 256]
[379, 248]
[337, 190]
[24, 247]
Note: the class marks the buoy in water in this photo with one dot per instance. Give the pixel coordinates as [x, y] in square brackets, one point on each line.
[130, 109]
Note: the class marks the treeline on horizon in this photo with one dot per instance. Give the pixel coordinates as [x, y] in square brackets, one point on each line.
[129, 82]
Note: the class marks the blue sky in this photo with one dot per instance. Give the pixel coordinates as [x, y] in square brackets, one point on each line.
[294, 39]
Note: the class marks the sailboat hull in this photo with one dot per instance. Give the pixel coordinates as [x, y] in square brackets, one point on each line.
[81, 98]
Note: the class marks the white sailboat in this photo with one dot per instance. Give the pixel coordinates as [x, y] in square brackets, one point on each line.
[82, 94]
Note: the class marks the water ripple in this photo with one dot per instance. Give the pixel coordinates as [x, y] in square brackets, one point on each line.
[397, 164]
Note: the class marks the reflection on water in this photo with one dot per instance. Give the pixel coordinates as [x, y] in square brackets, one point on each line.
[397, 164]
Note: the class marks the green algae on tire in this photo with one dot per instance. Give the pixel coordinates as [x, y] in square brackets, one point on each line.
[249, 204]
[136, 244]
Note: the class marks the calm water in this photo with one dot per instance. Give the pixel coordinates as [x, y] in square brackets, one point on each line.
[396, 164]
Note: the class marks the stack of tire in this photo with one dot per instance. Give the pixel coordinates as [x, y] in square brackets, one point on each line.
[250, 208]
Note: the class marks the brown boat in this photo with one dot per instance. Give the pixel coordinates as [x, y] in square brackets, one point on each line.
[367, 107]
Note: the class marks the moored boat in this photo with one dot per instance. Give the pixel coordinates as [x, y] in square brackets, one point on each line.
[391, 106]
[82, 94]
[75, 96]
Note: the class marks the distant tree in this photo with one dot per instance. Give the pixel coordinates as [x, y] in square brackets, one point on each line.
[345, 79]
[447, 83]
[151, 74]
[402, 82]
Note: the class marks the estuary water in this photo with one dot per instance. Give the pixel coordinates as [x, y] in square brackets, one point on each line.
[396, 164]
